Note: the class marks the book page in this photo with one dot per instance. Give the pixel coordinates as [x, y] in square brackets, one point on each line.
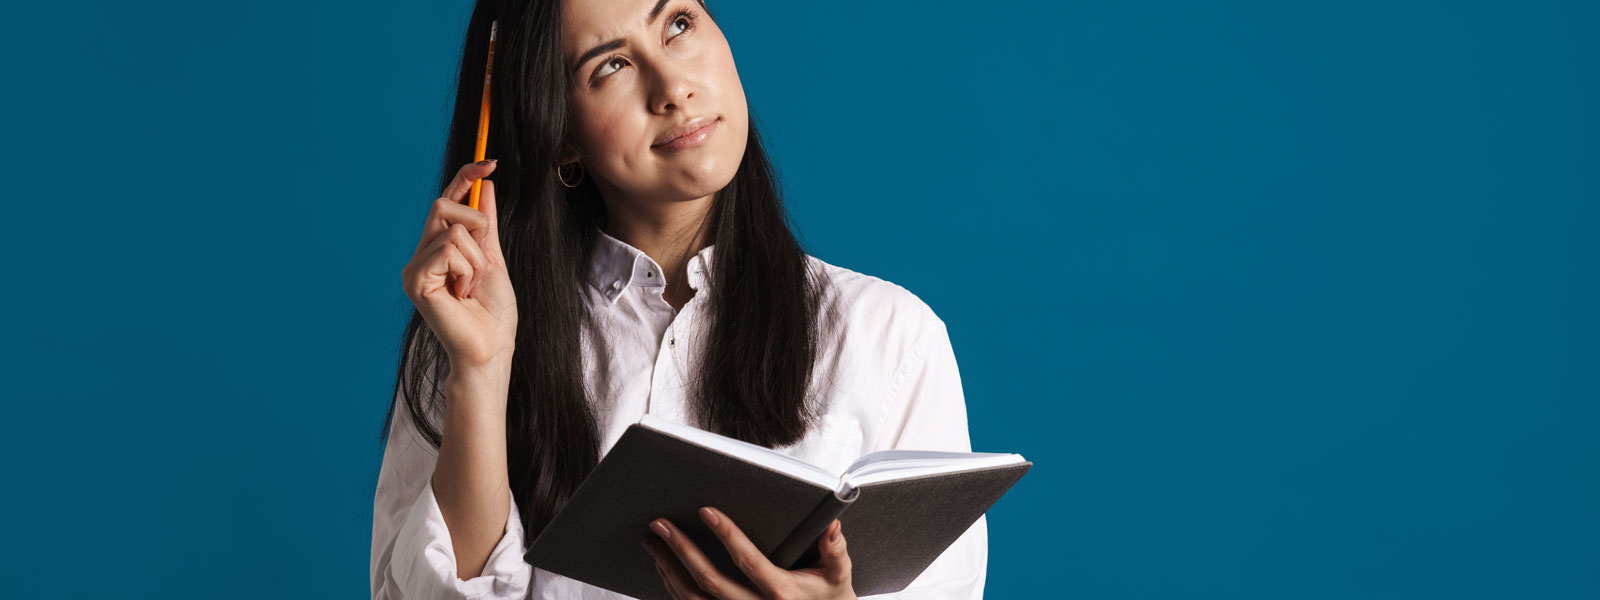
[900, 455]
[885, 465]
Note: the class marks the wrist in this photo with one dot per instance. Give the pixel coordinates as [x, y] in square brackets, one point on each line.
[486, 379]
[493, 366]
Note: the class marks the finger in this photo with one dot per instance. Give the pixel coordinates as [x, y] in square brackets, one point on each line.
[458, 238]
[445, 213]
[486, 203]
[704, 573]
[677, 579]
[666, 580]
[470, 172]
[441, 262]
[471, 249]
[745, 555]
[835, 561]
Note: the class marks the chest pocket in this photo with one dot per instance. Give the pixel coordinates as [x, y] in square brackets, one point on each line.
[835, 443]
[842, 429]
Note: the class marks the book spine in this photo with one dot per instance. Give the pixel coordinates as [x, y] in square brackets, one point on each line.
[799, 550]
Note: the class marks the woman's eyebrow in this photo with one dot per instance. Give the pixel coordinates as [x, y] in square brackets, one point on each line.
[617, 43]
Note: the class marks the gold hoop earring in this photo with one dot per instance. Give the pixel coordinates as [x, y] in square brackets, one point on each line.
[563, 176]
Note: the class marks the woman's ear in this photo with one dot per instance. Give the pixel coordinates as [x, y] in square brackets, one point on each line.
[568, 153]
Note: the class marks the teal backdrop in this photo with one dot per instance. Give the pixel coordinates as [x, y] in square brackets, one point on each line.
[1283, 299]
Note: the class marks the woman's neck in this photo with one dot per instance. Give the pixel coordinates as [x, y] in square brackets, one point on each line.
[667, 233]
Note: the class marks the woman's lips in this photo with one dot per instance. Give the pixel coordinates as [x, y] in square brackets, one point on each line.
[690, 139]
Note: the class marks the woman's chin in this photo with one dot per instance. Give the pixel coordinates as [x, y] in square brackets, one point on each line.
[704, 177]
[695, 192]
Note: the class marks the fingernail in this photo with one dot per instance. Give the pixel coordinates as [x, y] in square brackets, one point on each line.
[494, 161]
[709, 516]
[484, 163]
[661, 530]
[835, 536]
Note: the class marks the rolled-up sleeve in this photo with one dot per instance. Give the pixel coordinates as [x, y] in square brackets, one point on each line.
[927, 410]
[412, 555]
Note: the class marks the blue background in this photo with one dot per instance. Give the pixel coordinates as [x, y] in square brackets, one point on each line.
[1283, 299]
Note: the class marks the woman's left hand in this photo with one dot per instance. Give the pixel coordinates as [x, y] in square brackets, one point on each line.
[689, 575]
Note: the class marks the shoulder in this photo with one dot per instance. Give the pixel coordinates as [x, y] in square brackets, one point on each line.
[876, 337]
[875, 311]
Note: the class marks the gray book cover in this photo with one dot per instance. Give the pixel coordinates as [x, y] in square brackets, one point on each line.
[895, 527]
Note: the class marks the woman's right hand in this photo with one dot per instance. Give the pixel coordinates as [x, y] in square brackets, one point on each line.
[458, 279]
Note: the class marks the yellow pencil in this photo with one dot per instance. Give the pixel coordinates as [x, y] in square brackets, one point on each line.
[483, 115]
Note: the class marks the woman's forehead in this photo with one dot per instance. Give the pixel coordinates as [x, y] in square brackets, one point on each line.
[592, 20]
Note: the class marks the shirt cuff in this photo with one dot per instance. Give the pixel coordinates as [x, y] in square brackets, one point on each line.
[424, 561]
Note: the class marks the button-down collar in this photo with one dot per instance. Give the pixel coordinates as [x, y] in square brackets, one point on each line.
[618, 265]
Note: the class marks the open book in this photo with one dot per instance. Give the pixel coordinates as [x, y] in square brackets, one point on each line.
[900, 508]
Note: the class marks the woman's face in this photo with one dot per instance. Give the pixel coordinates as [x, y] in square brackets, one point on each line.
[640, 70]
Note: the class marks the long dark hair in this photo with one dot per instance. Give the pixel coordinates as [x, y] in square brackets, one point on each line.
[763, 334]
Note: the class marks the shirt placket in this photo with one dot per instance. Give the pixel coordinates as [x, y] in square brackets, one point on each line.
[665, 383]
[669, 367]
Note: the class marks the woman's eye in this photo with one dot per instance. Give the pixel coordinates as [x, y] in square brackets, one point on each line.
[614, 60]
[681, 24]
[685, 24]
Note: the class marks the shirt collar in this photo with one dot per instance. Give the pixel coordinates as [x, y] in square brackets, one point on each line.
[616, 265]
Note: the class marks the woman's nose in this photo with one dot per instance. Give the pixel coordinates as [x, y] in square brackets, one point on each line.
[672, 90]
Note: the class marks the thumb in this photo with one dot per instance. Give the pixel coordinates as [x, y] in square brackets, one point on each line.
[487, 204]
[835, 559]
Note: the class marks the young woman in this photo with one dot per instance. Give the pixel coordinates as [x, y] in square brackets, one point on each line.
[586, 293]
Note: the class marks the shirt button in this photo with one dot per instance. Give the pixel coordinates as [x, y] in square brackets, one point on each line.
[616, 284]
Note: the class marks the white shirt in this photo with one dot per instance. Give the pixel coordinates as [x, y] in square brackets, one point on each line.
[894, 385]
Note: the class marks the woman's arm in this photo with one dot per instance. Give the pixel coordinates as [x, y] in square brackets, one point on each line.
[471, 481]
[413, 551]
[926, 410]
